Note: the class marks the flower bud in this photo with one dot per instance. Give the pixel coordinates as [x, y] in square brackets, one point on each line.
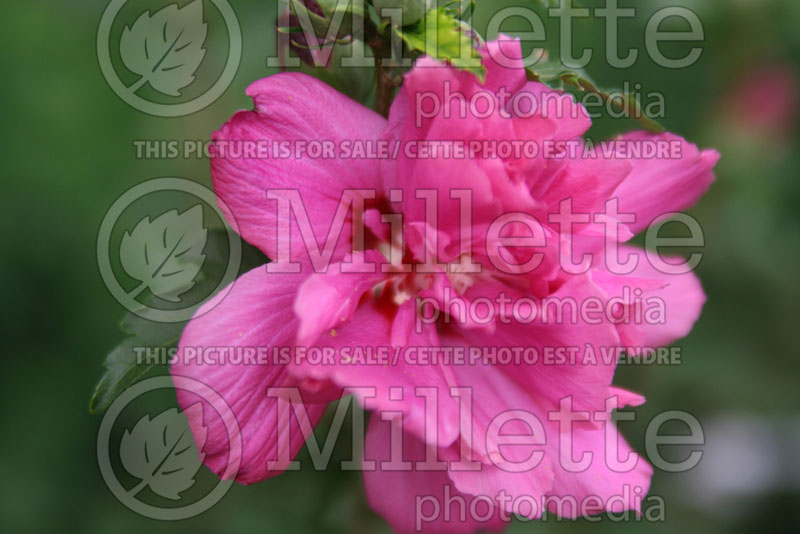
[297, 40]
[413, 10]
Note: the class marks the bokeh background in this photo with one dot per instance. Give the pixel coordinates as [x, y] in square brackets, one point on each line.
[68, 152]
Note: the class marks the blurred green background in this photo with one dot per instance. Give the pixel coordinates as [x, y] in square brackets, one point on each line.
[68, 154]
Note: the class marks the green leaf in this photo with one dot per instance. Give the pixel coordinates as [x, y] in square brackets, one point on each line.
[556, 76]
[123, 366]
[442, 36]
[460, 9]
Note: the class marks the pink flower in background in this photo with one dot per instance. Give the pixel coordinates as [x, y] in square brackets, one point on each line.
[343, 310]
[765, 101]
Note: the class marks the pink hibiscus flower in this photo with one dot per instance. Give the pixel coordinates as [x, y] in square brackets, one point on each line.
[764, 102]
[493, 428]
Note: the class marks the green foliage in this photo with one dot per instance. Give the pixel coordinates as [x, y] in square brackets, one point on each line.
[556, 76]
[412, 10]
[123, 367]
[444, 37]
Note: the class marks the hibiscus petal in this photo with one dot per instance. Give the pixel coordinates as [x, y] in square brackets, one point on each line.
[503, 469]
[414, 500]
[586, 374]
[626, 398]
[607, 483]
[558, 107]
[294, 108]
[363, 356]
[657, 186]
[328, 299]
[505, 69]
[253, 315]
[588, 182]
[681, 297]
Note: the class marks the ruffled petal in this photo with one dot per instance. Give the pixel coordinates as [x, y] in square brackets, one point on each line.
[413, 500]
[615, 479]
[295, 109]
[328, 299]
[659, 185]
[679, 296]
[361, 354]
[214, 349]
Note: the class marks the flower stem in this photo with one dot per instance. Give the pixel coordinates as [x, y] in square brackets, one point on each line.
[384, 84]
